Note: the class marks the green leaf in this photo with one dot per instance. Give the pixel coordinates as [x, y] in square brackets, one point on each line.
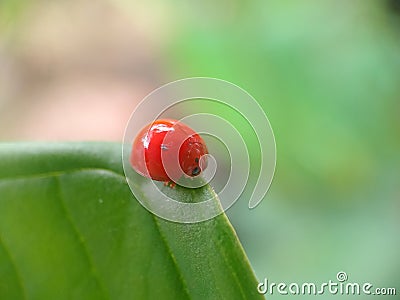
[70, 228]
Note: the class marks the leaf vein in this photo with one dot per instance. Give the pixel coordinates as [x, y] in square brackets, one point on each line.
[185, 287]
[14, 265]
[79, 237]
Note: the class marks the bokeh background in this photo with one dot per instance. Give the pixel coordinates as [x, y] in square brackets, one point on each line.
[327, 73]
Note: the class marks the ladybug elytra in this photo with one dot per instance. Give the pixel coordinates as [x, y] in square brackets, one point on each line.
[162, 145]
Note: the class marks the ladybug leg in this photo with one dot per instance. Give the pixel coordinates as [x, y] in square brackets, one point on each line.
[170, 184]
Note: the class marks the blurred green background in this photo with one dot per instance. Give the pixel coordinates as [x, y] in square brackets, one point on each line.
[327, 73]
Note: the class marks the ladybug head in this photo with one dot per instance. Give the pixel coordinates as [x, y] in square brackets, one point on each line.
[196, 170]
[190, 156]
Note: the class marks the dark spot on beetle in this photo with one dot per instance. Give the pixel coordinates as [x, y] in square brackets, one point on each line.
[164, 147]
[196, 171]
[196, 159]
